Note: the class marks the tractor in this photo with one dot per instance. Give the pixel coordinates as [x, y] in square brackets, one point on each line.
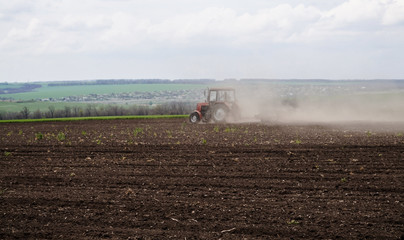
[220, 106]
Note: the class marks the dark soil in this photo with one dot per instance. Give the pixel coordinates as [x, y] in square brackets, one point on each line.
[159, 179]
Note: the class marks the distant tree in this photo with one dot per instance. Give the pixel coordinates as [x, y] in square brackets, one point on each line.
[67, 111]
[75, 111]
[25, 112]
[51, 111]
[89, 110]
[37, 114]
[113, 110]
[59, 113]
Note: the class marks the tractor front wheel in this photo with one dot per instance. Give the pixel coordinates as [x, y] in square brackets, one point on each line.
[194, 117]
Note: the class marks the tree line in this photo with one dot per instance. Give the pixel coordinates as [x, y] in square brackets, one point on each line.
[91, 110]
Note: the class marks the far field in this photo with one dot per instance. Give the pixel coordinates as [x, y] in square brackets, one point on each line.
[59, 97]
[372, 99]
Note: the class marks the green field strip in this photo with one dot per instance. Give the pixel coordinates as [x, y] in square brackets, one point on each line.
[92, 118]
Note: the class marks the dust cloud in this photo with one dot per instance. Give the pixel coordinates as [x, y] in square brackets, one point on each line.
[320, 103]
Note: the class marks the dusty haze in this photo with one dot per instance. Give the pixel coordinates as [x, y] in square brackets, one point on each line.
[329, 103]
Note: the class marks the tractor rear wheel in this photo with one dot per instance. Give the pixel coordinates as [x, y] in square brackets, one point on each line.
[219, 113]
[194, 117]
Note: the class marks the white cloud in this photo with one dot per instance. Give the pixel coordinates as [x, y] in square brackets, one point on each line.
[44, 28]
[87, 31]
[394, 13]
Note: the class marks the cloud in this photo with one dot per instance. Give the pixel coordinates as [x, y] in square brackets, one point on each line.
[180, 30]
[394, 13]
[85, 30]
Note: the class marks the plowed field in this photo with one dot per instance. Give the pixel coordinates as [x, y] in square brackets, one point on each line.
[161, 179]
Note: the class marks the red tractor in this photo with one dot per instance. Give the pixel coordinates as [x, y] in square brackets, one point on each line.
[219, 107]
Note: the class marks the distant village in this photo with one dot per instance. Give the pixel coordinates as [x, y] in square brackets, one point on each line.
[150, 98]
[281, 88]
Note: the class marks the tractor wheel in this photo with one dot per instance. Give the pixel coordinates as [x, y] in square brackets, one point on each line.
[219, 113]
[194, 117]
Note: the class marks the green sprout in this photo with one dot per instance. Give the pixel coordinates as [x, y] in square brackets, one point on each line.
[228, 129]
[137, 131]
[293, 222]
[38, 136]
[61, 136]
[169, 133]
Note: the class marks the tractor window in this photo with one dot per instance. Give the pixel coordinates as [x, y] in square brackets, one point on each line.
[225, 96]
[212, 97]
[221, 96]
[229, 96]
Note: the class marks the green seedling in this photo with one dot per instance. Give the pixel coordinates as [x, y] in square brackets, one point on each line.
[84, 133]
[293, 222]
[61, 136]
[228, 129]
[169, 134]
[216, 129]
[203, 141]
[38, 136]
[137, 131]
[7, 154]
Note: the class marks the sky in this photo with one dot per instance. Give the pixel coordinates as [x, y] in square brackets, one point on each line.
[46, 40]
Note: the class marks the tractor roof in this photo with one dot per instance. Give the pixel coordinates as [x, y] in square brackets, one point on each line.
[221, 89]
